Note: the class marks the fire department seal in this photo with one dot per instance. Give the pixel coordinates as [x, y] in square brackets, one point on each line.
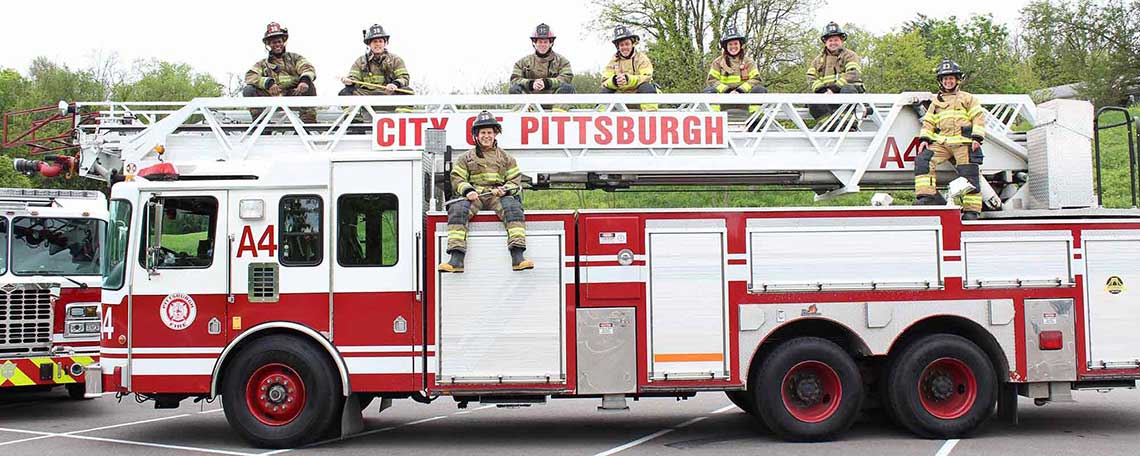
[178, 311]
[1114, 285]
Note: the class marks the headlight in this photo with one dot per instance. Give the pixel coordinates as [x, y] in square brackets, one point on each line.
[82, 310]
[91, 327]
[75, 328]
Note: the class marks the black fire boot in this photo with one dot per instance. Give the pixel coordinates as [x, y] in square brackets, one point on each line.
[930, 200]
[454, 264]
[518, 262]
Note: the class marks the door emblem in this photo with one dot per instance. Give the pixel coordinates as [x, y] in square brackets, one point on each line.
[178, 311]
[1114, 285]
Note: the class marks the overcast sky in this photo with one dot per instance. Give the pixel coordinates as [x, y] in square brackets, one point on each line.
[447, 44]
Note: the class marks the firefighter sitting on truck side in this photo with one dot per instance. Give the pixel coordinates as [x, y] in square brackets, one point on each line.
[488, 177]
[835, 70]
[281, 73]
[629, 71]
[381, 71]
[734, 71]
[952, 129]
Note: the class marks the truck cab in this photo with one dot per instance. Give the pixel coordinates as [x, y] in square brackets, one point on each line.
[50, 256]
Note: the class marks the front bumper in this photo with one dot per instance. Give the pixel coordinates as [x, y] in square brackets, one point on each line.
[44, 370]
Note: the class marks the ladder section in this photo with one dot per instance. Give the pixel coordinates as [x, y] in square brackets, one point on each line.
[602, 140]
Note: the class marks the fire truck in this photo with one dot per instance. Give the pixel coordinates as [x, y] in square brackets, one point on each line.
[49, 285]
[289, 267]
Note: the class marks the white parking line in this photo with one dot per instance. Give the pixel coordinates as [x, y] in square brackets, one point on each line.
[947, 448]
[660, 433]
[75, 435]
[375, 431]
[40, 435]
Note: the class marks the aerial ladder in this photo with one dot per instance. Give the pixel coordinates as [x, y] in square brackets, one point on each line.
[1036, 157]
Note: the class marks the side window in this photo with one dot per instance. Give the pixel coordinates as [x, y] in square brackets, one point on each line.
[301, 227]
[188, 227]
[366, 229]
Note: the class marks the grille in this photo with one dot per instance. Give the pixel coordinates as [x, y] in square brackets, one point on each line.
[263, 282]
[25, 319]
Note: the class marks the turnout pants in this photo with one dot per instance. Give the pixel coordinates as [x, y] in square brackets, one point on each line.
[508, 208]
[307, 115]
[966, 164]
[751, 108]
[645, 87]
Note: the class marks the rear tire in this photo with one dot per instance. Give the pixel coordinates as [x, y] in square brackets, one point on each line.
[808, 389]
[281, 392]
[941, 386]
[743, 400]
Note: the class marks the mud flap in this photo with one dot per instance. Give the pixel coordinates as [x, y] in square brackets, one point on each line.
[351, 418]
[1007, 403]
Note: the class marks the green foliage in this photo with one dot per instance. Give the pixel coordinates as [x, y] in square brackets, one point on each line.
[158, 80]
[897, 62]
[1096, 44]
[982, 47]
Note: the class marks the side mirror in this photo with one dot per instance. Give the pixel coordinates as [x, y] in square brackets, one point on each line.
[154, 243]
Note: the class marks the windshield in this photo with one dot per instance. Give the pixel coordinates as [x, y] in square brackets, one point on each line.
[56, 246]
[115, 252]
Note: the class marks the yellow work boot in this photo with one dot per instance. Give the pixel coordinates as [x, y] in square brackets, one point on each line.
[455, 264]
[519, 263]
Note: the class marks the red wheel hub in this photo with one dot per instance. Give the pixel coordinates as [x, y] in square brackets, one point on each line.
[947, 388]
[275, 394]
[811, 391]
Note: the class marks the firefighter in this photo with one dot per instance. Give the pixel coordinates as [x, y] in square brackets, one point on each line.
[733, 70]
[281, 73]
[488, 177]
[382, 72]
[835, 70]
[952, 130]
[544, 71]
[629, 71]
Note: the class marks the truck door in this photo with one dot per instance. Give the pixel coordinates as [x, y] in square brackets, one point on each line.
[179, 302]
[279, 268]
[374, 275]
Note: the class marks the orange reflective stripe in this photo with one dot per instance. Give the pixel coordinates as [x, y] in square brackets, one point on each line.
[687, 357]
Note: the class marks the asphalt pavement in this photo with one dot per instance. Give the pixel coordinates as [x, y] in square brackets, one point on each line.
[50, 423]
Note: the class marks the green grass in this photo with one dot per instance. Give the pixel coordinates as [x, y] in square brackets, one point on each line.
[1114, 162]
[183, 243]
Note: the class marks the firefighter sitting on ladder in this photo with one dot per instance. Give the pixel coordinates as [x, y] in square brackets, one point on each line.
[488, 177]
[629, 71]
[382, 72]
[543, 71]
[835, 70]
[281, 73]
[952, 129]
[734, 70]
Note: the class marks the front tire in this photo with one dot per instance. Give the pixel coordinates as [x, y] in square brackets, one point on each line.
[808, 389]
[941, 386]
[281, 392]
[77, 391]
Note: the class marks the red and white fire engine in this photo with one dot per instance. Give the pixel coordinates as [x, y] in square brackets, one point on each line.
[49, 286]
[289, 268]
